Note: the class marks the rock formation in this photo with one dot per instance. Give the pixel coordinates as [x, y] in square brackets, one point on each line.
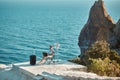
[117, 36]
[117, 29]
[100, 26]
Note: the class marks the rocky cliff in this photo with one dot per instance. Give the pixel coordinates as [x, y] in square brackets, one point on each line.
[117, 29]
[100, 26]
[117, 36]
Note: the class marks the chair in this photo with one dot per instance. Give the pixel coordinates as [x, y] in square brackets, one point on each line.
[45, 54]
[46, 57]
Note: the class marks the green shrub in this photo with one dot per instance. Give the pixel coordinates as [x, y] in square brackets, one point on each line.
[99, 49]
[103, 61]
[76, 60]
[104, 67]
[113, 55]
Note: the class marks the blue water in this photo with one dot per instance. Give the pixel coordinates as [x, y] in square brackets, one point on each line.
[30, 29]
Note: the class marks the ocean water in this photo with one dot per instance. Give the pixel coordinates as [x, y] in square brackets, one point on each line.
[27, 29]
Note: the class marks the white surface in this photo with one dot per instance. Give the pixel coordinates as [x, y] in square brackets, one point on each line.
[61, 66]
[62, 70]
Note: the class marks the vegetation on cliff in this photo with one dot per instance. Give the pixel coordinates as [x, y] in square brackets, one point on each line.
[97, 39]
[100, 59]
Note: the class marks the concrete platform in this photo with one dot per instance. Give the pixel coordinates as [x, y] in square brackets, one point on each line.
[62, 70]
[48, 70]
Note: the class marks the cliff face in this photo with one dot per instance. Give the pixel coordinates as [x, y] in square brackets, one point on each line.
[117, 29]
[98, 27]
[117, 35]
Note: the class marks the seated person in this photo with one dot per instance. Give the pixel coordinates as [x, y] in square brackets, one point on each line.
[47, 55]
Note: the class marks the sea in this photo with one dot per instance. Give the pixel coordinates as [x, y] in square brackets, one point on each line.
[29, 28]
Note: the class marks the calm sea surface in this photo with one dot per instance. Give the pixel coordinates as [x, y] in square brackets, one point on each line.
[30, 29]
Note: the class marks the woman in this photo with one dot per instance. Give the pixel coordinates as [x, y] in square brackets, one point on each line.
[48, 55]
[51, 50]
